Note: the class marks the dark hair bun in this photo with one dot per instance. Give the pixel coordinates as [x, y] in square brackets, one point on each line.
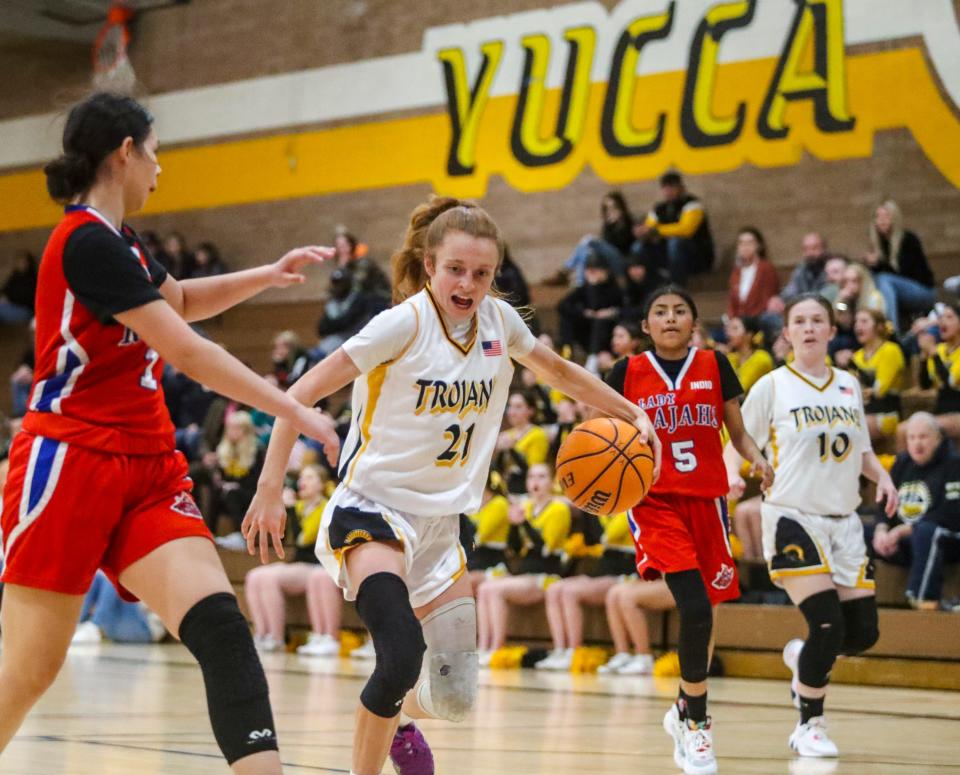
[69, 175]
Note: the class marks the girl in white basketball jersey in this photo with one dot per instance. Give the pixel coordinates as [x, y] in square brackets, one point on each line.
[431, 378]
[809, 419]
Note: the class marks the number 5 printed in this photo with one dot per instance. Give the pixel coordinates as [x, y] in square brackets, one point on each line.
[683, 458]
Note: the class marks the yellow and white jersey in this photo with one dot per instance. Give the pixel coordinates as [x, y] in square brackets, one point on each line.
[429, 405]
[814, 435]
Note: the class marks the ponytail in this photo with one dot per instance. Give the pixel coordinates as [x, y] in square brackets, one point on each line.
[429, 224]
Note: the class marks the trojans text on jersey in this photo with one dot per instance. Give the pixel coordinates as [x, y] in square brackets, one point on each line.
[458, 397]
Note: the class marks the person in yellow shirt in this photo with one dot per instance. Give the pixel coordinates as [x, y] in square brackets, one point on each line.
[266, 586]
[539, 527]
[943, 368]
[566, 597]
[882, 370]
[746, 354]
[491, 531]
[522, 444]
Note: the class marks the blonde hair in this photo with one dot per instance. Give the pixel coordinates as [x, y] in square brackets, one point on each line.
[896, 232]
[429, 224]
[237, 458]
[869, 296]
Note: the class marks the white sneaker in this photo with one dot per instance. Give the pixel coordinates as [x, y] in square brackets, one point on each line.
[235, 541]
[811, 739]
[267, 643]
[617, 661]
[791, 656]
[673, 726]
[558, 659]
[698, 758]
[641, 664]
[484, 657]
[87, 632]
[366, 651]
[318, 645]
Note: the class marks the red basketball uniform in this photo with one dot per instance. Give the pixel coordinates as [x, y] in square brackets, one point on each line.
[94, 478]
[682, 523]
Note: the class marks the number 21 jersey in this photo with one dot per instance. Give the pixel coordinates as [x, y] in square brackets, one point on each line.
[814, 434]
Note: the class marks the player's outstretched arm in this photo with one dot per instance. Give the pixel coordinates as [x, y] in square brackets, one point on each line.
[205, 297]
[266, 515]
[744, 445]
[874, 471]
[581, 385]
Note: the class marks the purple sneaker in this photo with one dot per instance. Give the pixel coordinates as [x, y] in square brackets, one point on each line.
[410, 753]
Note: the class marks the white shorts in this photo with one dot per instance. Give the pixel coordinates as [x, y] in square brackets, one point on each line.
[433, 556]
[798, 544]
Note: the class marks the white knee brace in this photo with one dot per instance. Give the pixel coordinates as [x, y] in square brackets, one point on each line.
[449, 688]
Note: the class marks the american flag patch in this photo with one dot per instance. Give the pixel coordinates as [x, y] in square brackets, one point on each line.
[492, 348]
[846, 390]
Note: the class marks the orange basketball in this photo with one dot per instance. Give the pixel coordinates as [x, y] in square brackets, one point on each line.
[603, 467]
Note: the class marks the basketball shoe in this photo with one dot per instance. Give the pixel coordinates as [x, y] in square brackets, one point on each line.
[791, 655]
[615, 662]
[558, 659]
[811, 739]
[410, 753]
[692, 743]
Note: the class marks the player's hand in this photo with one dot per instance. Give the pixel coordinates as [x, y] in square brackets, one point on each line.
[287, 270]
[649, 436]
[764, 471]
[321, 427]
[886, 489]
[737, 487]
[266, 519]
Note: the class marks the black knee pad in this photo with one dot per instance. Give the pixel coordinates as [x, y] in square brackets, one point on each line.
[238, 700]
[383, 603]
[861, 628]
[696, 623]
[824, 640]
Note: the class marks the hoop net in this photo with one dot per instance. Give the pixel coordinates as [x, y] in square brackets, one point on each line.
[112, 70]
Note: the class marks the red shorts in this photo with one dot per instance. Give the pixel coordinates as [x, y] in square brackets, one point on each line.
[674, 533]
[68, 510]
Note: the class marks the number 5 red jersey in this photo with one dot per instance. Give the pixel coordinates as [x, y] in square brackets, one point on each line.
[687, 414]
[95, 383]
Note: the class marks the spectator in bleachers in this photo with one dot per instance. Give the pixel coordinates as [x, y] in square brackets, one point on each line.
[925, 532]
[745, 350]
[746, 526]
[20, 382]
[899, 264]
[627, 603]
[106, 614]
[753, 279]
[511, 282]
[941, 369]
[859, 291]
[568, 417]
[491, 530]
[643, 277]
[344, 313]
[676, 232]
[266, 586]
[616, 237]
[366, 276]
[589, 313]
[18, 291]
[231, 474]
[174, 255]
[882, 370]
[522, 445]
[841, 348]
[809, 276]
[290, 359]
[205, 262]
[539, 527]
[566, 597]
[626, 340]
[188, 403]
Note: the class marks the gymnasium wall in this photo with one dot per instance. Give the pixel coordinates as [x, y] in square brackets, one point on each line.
[279, 121]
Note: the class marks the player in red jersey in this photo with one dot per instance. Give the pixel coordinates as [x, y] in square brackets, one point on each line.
[94, 479]
[680, 528]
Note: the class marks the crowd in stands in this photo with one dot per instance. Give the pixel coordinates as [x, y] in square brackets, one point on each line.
[527, 545]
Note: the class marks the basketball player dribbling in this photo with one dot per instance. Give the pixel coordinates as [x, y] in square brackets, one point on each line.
[95, 480]
[431, 379]
[680, 528]
[810, 419]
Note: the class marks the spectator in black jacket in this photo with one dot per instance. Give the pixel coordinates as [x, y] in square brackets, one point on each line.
[616, 237]
[17, 293]
[925, 532]
[511, 282]
[899, 264]
[589, 313]
[205, 262]
[345, 313]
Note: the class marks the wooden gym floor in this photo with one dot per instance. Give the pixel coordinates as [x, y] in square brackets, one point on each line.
[141, 709]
